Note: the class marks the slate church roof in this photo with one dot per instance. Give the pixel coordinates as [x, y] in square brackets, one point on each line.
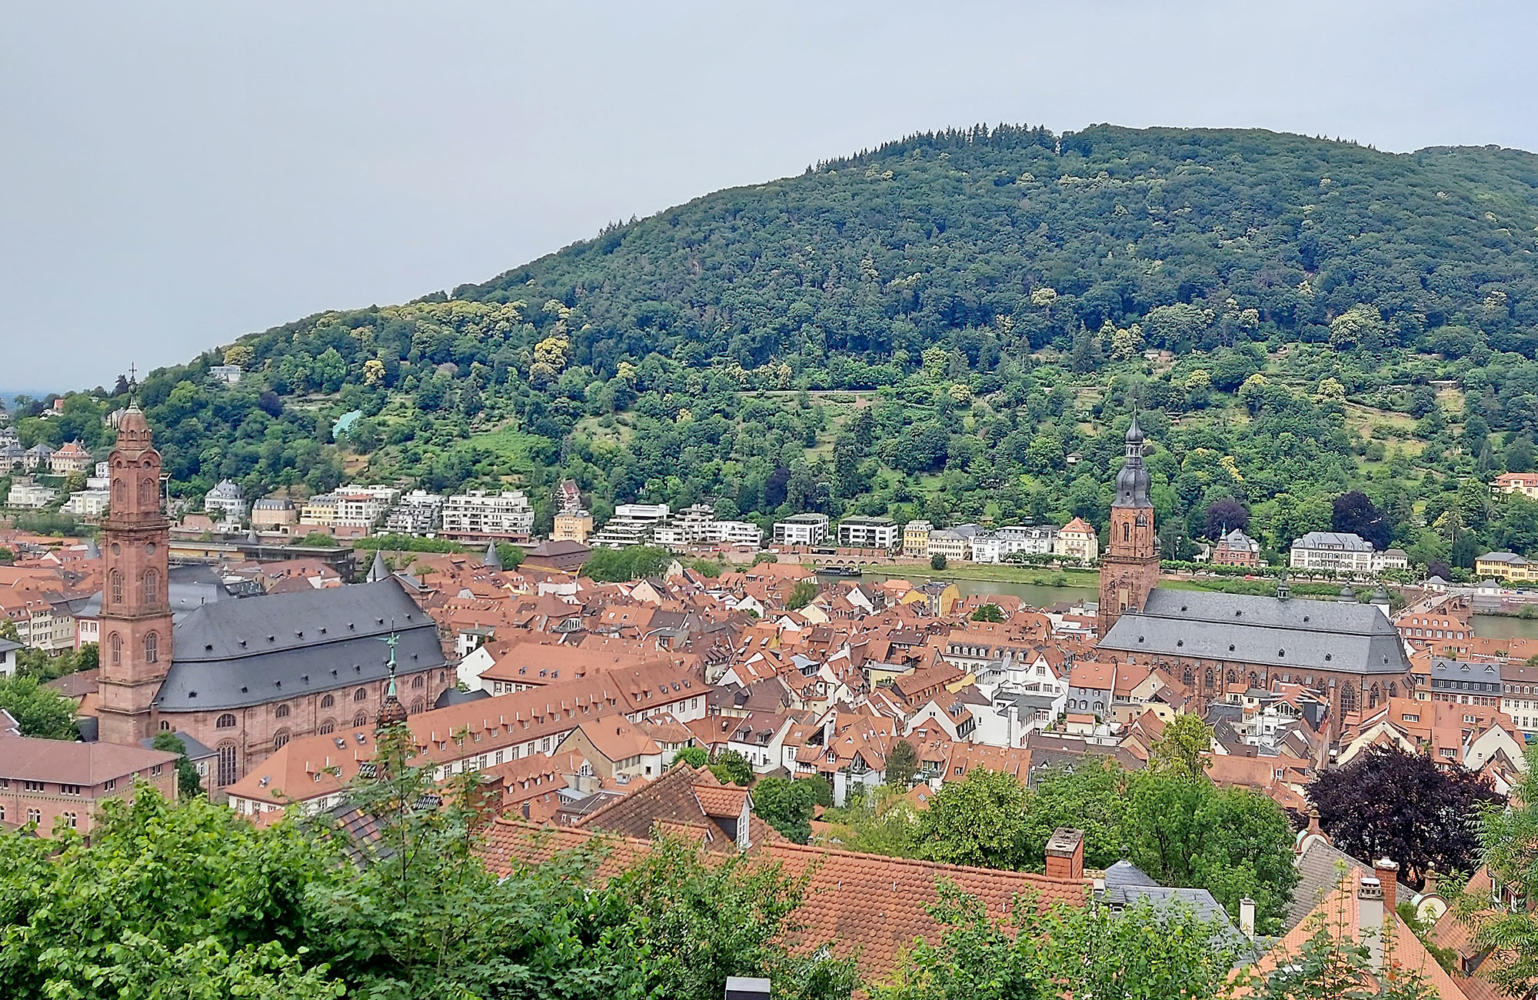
[1280, 632]
[232, 654]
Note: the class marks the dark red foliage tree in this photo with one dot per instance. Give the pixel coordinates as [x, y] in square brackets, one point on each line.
[1224, 516]
[1405, 807]
[1354, 513]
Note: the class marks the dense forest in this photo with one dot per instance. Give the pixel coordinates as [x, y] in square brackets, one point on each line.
[952, 326]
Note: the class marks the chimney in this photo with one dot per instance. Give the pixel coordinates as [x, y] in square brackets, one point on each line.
[1369, 921]
[746, 988]
[1247, 917]
[1065, 854]
[1312, 830]
[1431, 883]
[1388, 878]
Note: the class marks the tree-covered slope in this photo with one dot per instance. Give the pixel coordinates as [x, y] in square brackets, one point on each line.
[948, 326]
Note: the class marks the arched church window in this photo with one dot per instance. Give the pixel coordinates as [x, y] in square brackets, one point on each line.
[115, 648]
[1188, 677]
[225, 721]
[1209, 677]
[280, 739]
[361, 719]
[115, 585]
[146, 492]
[226, 764]
[151, 586]
[360, 694]
[416, 706]
[152, 648]
[417, 682]
[327, 701]
[329, 726]
[281, 712]
[1126, 531]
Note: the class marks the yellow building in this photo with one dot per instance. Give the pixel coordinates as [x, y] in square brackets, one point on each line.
[1505, 566]
[572, 526]
[916, 539]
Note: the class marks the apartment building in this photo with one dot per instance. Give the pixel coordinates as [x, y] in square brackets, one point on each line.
[868, 533]
[416, 513]
[480, 514]
[801, 529]
[572, 526]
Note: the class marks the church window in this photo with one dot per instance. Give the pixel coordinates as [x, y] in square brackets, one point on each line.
[329, 726]
[360, 694]
[146, 491]
[281, 712]
[115, 648]
[416, 709]
[327, 701]
[152, 648]
[225, 721]
[417, 682]
[1126, 531]
[226, 762]
[115, 582]
[280, 739]
[151, 586]
[361, 719]
[1189, 677]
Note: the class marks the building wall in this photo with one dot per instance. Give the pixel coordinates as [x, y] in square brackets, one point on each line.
[19, 802]
[261, 729]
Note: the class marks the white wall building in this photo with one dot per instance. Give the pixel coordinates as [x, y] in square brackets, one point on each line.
[479, 514]
[801, 529]
[416, 513]
[27, 494]
[632, 524]
[870, 533]
[87, 503]
[225, 502]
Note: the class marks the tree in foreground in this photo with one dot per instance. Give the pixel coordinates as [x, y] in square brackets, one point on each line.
[38, 710]
[1182, 748]
[787, 805]
[390, 901]
[731, 767]
[188, 784]
[1393, 804]
[988, 613]
[902, 763]
[1508, 847]
[1064, 950]
[1332, 965]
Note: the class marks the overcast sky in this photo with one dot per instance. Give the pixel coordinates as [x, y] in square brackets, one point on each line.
[177, 174]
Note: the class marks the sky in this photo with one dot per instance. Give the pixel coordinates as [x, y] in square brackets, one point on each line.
[177, 174]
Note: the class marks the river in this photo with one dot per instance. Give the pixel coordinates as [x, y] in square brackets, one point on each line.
[1044, 595]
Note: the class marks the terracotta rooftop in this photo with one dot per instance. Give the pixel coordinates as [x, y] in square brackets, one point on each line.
[86, 764]
[867, 906]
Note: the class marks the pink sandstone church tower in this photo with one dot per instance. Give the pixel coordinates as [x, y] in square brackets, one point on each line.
[135, 610]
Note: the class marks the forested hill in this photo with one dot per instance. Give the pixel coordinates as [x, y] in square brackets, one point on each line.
[947, 326]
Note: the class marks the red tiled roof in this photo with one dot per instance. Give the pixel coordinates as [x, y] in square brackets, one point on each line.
[868, 906]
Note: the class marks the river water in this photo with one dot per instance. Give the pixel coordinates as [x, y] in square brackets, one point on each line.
[1043, 596]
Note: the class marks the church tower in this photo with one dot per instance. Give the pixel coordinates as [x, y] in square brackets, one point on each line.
[135, 607]
[1129, 569]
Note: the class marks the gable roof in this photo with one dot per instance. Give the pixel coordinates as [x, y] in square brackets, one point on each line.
[1290, 632]
[868, 906]
[247, 652]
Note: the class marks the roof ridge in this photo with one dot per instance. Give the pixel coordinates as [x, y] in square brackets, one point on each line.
[920, 863]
